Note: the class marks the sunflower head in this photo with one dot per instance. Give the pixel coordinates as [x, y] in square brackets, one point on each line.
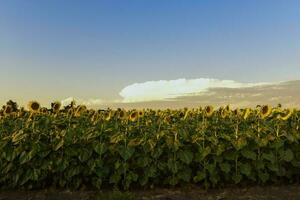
[79, 110]
[55, 106]
[246, 113]
[237, 112]
[8, 110]
[44, 110]
[122, 114]
[265, 111]
[288, 114]
[227, 108]
[13, 105]
[141, 113]
[107, 115]
[209, 110]
[224, 113]
[133, 116]
[34, 106]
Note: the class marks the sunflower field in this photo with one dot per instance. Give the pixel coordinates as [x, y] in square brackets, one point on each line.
[76, 147]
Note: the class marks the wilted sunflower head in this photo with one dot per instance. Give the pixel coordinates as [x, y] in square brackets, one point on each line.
[237, 111]
[227, 108]
[122, 114]
[265, 111]
[79, 110]
[209, 110]
[288, 114]
[246, 113]
[8, 110]
[224, 113]
[133, 116]
[107, 115]
[56, 106]
[13, 105]
[34, 106]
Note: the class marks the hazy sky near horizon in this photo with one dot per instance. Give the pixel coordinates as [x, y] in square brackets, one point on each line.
[56, 49]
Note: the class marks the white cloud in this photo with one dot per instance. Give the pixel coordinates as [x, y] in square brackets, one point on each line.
[166, 89]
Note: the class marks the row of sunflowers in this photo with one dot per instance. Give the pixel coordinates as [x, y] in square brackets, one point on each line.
[75, 147]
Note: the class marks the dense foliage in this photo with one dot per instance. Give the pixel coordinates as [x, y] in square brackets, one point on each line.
[75, 146]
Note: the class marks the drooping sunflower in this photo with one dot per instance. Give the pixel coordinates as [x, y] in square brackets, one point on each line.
[265, 111]
[209, 110]
[34, 106]
[8, 110]
[187, 114]
[237, 111]
[79, 110]
[107, 115]
[122, 114]
[227, 108]
[223, 112]
[246, 113]
[44, 110]
[133, 116]
[21, 112]
[55, 106]
[287, 116]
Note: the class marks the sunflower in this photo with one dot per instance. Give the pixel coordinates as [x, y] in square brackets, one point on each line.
[55, 106]
[265, 111]
[209, 110]
[287, 116]
[44, 110]
[107, 115]
[187, 113]
[34, 106]
[8, 110]
[223, 113]
[237, 112]
[227, 108]
[122, 114]
[79, 110]
[133, 116]
[246, 114]
[141, 113]
[21, 112]
[13, 105]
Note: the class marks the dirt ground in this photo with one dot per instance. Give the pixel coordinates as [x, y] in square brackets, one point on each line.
[288, 192]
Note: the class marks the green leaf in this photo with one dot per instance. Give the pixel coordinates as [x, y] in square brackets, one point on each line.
[185, 174]
[248, 154]
[115, 178]
[225, 167]
[26, 156]
[263, 176]
[246, 169]
[185, 156]
[269, 156]
[126, 153]
[237, 178]
[84, 155]
[100, 148]
[287, 155]
[201, 175]
[59, 144]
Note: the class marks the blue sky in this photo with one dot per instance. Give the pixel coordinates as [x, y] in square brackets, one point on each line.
[94, 49]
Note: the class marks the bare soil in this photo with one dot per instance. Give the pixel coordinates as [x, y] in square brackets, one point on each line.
[283, 192]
